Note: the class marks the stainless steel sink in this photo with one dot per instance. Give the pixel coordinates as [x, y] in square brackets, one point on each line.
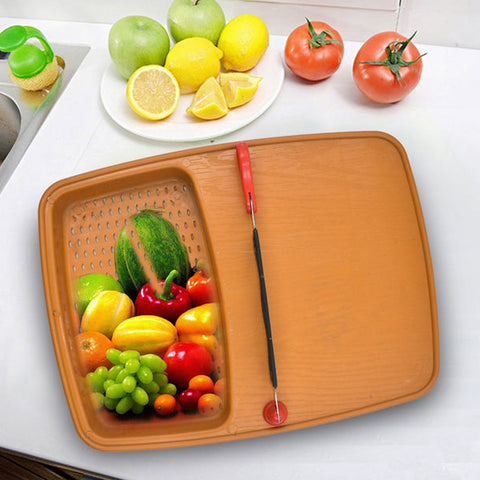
[10, 124]
[22, 113]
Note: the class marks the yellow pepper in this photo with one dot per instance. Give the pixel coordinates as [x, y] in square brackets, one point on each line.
[199, 325]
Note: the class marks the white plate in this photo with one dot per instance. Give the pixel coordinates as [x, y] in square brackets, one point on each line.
[181, 126]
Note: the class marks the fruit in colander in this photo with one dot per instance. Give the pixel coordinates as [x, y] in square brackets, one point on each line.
[148, 247]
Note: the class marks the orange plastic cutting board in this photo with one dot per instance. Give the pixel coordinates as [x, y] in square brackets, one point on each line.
[347, 266]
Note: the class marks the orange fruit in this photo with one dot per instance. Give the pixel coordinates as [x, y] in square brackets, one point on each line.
[105, 311]
[92, 348]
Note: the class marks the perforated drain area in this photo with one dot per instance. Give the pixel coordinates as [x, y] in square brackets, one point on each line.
[94, 224]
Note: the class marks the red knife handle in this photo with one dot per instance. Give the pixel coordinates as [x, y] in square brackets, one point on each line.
[243, 157]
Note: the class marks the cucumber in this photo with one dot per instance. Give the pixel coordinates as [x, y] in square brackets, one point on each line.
[161, 245]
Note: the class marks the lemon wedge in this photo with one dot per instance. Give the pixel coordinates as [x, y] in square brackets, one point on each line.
[238, 88]
[153, 92]
[209, 101]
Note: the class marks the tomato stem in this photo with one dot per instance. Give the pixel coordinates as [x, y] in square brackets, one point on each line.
[319, 39]
[394, 58]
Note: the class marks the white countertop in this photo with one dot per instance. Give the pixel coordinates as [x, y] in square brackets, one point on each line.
[434, 437]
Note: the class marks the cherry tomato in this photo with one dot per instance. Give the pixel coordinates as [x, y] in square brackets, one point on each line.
[387, 67]
[209, 404]
[203, 383]
[188, 399]
[219, 387]
[314, 51]
[185, 360]
[165, 404]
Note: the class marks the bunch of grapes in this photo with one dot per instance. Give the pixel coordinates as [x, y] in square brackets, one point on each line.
[133, 383]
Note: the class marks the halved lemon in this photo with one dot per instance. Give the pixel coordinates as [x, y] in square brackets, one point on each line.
[238, 88]
[153, 92]
[209, 101]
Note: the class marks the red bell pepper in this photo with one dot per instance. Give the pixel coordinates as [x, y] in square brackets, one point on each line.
[201, 286]
[169, 303]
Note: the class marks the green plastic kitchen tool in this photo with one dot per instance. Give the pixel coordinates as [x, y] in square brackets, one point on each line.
[25, 60]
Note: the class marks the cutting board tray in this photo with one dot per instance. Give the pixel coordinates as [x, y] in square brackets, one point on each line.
[347, 267]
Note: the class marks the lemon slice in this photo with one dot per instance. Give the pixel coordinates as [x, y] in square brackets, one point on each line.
[209, 101]
[238, 88]
[153, 92]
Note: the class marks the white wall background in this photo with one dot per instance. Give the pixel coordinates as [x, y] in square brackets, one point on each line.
[438, 22]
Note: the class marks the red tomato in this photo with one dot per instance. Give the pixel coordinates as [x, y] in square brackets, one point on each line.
[387, 67]
[185, 360]
[314, 51]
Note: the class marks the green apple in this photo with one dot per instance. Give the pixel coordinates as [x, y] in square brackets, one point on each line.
[135, 41]
[87, 286]
[195, 18]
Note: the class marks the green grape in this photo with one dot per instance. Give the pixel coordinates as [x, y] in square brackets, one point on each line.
[152, 387]
[169, 388]
[115, 391]
[132, 365]
[153, 362]
[151, 398]
[110, 403]
[107, 383]
[113, 355]
[121, 375]
[98, 400]
[102, 372]
[124, 356]
[124, 405]
[129, 383]
[133, 381]
[160, 378]
[114, 371]
[144, 374]
[90, 378]
[95, 382]
[140, 396]
[137, 408]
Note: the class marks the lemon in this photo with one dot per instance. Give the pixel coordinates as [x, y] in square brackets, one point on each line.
[153, 92]
[238, 87]
[209, 101]
[192, 61]
[243, 42]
